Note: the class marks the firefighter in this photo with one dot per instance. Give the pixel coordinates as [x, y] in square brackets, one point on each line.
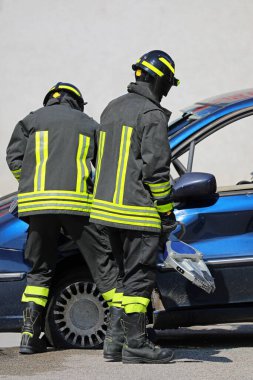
[50, 153]
[132, 197]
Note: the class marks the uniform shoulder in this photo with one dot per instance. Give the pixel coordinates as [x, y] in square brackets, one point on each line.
[89, 119]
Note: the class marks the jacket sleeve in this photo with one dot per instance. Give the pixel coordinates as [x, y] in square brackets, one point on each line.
[156, 157]
[16, 149]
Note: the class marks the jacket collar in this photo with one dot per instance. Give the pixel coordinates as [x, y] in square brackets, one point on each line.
[65, 100]
[143, 89]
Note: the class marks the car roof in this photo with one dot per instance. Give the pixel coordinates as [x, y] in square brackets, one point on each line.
[206, 111]
[208, 106]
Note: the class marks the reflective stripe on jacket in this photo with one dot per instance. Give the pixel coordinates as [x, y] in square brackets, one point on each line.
[50, 153]
[132, 170]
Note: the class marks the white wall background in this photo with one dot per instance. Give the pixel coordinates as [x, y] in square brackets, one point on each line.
[92, 43]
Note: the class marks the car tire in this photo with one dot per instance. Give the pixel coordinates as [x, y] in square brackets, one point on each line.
[76, 313]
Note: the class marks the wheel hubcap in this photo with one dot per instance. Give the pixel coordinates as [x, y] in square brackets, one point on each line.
[80, 314]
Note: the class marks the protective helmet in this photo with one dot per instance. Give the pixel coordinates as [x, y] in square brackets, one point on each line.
[160, 68]
[65, 87]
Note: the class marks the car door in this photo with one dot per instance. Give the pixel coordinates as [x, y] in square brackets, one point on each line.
[221, 227]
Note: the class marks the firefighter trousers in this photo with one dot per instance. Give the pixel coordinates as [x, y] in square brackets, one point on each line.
[41, 252]
[136, 254]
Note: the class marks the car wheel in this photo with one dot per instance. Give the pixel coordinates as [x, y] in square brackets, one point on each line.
[76, 315]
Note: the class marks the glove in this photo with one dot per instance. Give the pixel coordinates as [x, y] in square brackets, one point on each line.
[169, 224]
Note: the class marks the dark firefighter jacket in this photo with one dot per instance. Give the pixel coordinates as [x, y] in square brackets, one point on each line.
[50, 153]
[132, 184]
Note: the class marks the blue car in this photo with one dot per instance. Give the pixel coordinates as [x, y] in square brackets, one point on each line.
[218, 223]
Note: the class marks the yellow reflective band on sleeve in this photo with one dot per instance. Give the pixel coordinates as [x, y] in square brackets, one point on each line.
[37, 290]
[161, 195]
[122, 164]
[152, 68]
[70, 89]
[162, 185]
[135, 299]
[135, 308]
[82, 169]
[167, 63]
[27, 333]
[108, 296]
[101, 145]
[38, 301]
[165, 208]
[41, 156]
[138, 60]
[17, 173]
[159, 190]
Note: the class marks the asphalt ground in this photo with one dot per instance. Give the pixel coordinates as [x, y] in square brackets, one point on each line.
[213, 352]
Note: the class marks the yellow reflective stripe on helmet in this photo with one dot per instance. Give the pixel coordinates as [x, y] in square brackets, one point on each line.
[167, 63]
[37, 290]
[138, 60]
[101, 146]
[41, 156]
[69, 88]
[108, 296]
[165, 208]
[82, 169]
[56, 95]
[38, 301]
[135, 299]
[122, 164]
[152, 68]
[134, 308]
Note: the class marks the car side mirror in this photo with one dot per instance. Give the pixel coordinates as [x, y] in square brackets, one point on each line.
[194, 185]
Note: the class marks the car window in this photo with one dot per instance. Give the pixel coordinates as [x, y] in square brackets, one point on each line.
[227, 153]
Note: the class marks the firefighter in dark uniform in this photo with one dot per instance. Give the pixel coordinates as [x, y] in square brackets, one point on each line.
[132, 196]
[50, 153]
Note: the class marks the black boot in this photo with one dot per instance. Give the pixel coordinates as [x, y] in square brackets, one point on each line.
[137, 348]
[32, 321]
[114, 338]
